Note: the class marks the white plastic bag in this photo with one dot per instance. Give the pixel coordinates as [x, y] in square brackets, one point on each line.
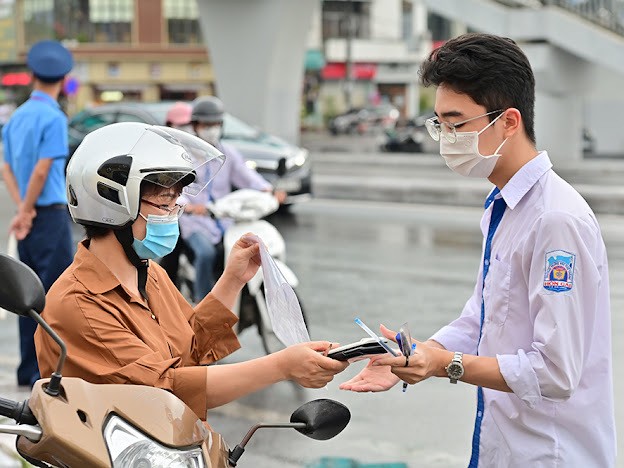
[282, 303]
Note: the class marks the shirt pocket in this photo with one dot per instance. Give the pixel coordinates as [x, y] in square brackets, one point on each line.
[496, 300]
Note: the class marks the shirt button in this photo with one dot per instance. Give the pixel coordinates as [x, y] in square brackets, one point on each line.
[487, 262]
[153, 316]
[479, 414]
[226, 325]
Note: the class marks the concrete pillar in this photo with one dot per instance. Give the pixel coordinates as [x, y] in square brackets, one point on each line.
[257, 50]
[558, 118]
[559, 124]
[412, 105]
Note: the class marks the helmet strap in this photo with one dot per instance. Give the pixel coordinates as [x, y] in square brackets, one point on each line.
[126, 238]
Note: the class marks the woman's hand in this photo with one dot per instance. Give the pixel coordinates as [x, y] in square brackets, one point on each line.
[307, 365]
[243, 261]
[242, 264]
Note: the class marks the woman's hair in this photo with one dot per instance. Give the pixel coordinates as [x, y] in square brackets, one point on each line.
[147, 189]
[492, 70]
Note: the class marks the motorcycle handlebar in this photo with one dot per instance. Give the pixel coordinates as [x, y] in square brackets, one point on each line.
[17, 410]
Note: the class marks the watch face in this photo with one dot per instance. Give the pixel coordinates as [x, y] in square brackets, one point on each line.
[455, 370]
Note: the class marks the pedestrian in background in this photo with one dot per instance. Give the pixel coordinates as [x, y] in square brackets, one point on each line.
[535, 337]
[202, 233]
[35, 150]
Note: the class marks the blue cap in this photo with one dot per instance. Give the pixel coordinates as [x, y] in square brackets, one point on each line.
[49, 61]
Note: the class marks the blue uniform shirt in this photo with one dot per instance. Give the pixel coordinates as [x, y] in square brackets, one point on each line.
[38, 130]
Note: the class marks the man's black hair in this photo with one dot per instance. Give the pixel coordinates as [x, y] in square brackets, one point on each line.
[492, 70]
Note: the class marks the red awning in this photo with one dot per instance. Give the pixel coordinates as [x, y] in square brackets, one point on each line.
[16, 79]
[338, 71]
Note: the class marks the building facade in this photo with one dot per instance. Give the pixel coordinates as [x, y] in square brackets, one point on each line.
[371, 52]
[131, 50]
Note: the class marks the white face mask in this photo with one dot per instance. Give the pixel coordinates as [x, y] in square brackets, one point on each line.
[211, 134]
[188, 128]
[463, 156]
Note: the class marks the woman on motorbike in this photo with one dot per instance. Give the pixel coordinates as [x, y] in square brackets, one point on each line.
[121, 317]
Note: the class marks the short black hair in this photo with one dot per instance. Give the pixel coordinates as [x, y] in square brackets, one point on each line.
[94, 232]
[492, 70]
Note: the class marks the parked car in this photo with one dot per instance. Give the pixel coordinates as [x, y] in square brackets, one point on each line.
[362, 120]
[285, 165]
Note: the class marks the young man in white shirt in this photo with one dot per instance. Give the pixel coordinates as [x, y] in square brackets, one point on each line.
[535, 337]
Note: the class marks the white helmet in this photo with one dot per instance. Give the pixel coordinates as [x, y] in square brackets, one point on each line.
[105, 173]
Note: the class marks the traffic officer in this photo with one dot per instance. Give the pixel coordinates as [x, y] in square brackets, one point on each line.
[35, 153]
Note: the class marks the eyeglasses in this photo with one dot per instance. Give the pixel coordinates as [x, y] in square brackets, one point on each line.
[176, 211]
[448, 129]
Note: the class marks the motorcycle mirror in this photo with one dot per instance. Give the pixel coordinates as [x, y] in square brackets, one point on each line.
[20, 288]
[281, 167]
[22, 293]
[319, 419]
[323, 418]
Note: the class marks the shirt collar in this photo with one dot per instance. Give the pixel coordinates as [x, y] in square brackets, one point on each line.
[41, 96]
[95, 275]
[523, 180]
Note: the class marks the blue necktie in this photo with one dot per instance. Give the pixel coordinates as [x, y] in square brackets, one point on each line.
[497, 214]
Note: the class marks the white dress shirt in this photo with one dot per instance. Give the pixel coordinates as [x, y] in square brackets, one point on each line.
[548, 322]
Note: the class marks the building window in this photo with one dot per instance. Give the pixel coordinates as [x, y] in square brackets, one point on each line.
[336, 14]
[182, 18]
[113, 69]
[38, 20]
[107, 21]
[111, 20]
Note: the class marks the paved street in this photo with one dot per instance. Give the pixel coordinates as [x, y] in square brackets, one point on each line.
[386, 263]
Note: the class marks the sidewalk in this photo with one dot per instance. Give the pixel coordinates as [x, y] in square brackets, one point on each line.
[423, 178]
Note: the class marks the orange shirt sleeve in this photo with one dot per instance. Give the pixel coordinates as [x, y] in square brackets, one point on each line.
[113, 340]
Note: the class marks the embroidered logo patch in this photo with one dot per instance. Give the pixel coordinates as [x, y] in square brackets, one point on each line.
[559, 271]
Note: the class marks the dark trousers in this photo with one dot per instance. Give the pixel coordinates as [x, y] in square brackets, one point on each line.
[48, 250]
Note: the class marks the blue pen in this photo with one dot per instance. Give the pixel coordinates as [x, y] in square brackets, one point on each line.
[405, 383]
[372, 334]
[405, 349]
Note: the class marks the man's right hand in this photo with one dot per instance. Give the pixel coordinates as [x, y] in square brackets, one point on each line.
[22, 223]
[372, 378]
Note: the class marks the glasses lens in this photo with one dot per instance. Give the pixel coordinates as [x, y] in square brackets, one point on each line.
[433, 128]
[448, 133]
[177, 210]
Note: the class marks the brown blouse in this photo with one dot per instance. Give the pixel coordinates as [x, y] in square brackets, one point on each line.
[112, 337]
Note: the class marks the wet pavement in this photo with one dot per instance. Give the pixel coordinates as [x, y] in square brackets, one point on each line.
[385, 263]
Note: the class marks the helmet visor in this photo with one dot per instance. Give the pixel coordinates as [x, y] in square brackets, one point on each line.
[177, 156]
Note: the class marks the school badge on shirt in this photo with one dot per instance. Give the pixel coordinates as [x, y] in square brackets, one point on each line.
[559, 271]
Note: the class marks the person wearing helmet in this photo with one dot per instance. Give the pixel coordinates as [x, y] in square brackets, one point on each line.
[179, 116]
[121, 317]
[35, 150]
[203, 234]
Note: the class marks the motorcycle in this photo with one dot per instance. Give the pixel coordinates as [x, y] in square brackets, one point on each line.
[68, 422]
[247, 208]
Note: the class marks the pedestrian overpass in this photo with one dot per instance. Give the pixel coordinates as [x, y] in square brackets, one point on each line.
[576, 48]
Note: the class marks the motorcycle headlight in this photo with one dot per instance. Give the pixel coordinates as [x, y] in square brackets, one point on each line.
[130, 448]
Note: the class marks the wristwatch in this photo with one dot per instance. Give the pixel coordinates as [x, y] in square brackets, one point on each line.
[455, 369]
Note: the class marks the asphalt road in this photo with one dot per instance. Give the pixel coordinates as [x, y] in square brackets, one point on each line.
[384, 263]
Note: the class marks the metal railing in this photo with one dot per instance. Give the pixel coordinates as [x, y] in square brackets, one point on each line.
[608, 14]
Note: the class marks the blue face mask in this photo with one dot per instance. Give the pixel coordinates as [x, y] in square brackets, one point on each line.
[161, 237]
